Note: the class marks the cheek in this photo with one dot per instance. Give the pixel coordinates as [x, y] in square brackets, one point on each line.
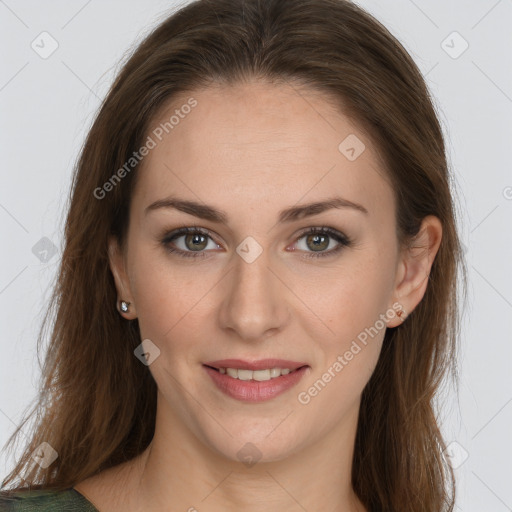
[170, 299]
[353, 313]
[346, 300]
[334, 387]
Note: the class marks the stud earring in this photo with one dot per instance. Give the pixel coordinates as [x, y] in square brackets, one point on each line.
[402, 315]
[124, 306]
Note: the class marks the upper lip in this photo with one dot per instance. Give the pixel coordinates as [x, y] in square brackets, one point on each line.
[261, 364]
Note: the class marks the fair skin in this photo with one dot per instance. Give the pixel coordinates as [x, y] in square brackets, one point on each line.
[253, 150]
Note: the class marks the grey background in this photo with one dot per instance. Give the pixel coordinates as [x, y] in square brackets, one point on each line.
[48, 104]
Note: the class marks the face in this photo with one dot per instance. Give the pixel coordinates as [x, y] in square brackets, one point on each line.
[315, 287]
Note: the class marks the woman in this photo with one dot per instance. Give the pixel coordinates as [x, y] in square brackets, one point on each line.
[257, 300]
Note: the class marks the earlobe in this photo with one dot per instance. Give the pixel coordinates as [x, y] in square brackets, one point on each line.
[417, 260]
[125, 301]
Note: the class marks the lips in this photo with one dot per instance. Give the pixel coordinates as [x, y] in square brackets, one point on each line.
[261, 364]
[254, 390]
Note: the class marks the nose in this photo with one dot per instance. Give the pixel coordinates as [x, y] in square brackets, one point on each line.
[255, 301]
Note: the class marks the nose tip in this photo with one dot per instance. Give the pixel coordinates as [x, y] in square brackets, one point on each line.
[254, 304]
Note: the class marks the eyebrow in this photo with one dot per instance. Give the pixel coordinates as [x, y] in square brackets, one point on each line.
[291, 214]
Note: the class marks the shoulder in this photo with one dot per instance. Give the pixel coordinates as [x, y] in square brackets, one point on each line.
[67, 500]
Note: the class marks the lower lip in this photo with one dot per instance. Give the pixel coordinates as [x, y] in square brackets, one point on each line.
[252, 390]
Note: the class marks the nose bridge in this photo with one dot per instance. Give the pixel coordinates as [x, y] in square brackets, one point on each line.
[255, 301]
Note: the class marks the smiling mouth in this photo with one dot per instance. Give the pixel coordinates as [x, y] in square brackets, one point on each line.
[255, 375]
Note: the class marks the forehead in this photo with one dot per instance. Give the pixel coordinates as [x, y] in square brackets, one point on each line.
[260, 145]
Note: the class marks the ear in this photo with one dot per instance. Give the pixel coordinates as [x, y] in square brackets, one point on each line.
[414, 267]
[118, 267]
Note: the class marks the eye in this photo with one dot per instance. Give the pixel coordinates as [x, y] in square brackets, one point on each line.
[319, 239]
[196, 240]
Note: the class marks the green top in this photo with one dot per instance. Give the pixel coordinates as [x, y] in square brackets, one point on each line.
[68, 500]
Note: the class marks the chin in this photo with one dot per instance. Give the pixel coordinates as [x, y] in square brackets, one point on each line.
[257, 445]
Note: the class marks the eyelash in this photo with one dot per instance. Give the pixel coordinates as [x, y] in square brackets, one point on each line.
[342, 240]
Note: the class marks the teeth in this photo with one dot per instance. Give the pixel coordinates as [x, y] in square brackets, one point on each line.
[259, 375]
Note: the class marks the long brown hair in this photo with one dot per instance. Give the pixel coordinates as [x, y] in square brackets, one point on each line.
[97, 403]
